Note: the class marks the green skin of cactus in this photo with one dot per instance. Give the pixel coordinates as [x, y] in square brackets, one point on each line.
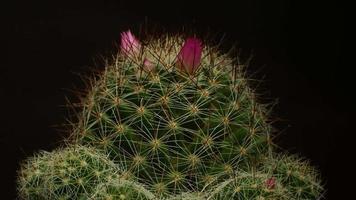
[70, 173]
[176, 132]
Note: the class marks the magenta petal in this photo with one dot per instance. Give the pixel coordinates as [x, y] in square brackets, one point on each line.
[130, 45]
[189, 56]
[148, 65]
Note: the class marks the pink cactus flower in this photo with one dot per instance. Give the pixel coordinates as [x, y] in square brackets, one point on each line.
[190, 55]
[148, 65]
[130, 45]
[271, 183]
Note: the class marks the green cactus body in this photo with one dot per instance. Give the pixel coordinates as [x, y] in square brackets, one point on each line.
[175, 131]
[298, 177]
[70, 173]
[292, 179]
[165, 122]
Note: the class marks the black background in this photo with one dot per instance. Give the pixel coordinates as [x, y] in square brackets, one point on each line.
[297, 47]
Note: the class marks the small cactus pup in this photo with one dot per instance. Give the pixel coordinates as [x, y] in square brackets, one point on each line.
[250, 185]
[69, 173]
[176, 113]
[298, 177]
[277, 177]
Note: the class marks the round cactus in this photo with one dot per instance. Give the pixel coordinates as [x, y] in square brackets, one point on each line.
[177, 114]
[70, 173]
[249, 185]
[277, 177]
[300, 179]
[169, 119]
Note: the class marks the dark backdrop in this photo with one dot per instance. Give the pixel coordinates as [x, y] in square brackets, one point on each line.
[297, 47]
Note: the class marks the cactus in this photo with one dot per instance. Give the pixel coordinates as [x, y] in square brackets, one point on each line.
[69, 173]
[278, 177]
[169, 119]
[174, 120]
[298, 177]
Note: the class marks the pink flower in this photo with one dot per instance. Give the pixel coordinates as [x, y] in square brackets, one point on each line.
[271, 183]
[148, 65]
[189, 56]
[130, 46]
